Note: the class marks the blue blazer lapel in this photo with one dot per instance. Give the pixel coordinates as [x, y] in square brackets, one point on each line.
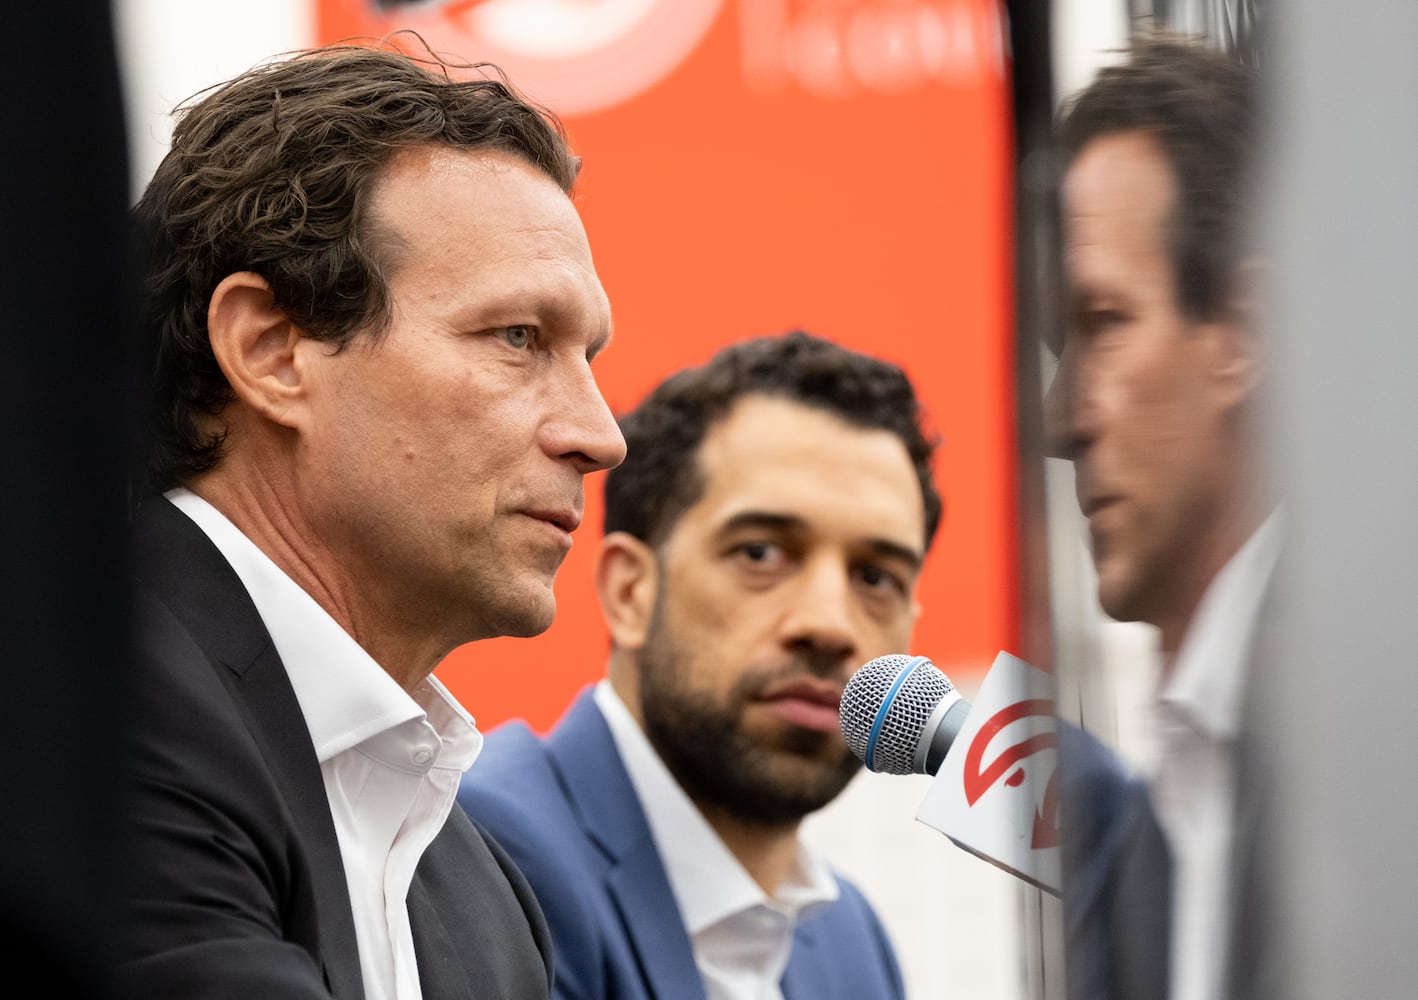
[654, 926]
[608, 809]
[807, 977]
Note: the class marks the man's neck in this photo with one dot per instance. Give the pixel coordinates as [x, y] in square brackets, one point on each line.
[1208, 557]
[257, 511]
[767, 853]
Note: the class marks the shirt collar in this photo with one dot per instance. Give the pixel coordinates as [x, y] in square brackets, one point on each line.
[344, 695]
[708, 882]
[1207, 680]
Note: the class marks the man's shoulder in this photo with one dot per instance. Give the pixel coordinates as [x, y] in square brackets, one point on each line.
[849, 914]
[215, 751]
[512, 744]
[518, 793]
[514, 790]
[512, 761]
[190, 599]
[517, 770]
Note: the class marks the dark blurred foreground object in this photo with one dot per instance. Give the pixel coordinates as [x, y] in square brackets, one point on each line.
[65, 300]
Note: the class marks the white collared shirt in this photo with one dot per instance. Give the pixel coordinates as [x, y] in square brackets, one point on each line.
[391, 761]
[1193, 786]
[741, 936]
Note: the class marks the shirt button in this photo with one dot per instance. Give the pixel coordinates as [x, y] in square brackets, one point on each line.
[421, 755]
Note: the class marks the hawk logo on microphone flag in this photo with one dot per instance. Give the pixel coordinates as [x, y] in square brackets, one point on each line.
[995, 792]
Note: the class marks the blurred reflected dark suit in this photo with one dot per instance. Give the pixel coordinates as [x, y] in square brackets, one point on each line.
[1117, 877]
[1117, 881]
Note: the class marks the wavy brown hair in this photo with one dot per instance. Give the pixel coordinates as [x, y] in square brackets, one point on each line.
[272, 172]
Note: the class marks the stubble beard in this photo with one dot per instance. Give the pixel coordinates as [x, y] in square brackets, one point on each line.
[701, 740]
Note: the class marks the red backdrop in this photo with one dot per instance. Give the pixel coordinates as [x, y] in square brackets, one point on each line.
[841, 166]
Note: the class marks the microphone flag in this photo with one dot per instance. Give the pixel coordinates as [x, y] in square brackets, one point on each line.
[996, 793]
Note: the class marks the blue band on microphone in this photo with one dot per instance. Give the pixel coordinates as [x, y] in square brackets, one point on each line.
[886, 705]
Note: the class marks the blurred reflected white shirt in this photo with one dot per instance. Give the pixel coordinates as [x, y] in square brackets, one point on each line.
[1193, 786]
[741, 936]
[391, 762]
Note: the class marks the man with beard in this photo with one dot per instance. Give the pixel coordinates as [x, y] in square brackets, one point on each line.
[763, 540]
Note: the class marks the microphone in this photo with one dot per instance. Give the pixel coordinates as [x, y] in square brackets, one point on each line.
[994, 790]
[900, 714]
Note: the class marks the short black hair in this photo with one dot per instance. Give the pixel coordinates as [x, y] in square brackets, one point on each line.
[660, 477]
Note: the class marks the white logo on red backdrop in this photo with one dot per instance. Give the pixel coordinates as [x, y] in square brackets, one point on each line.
[580, 56]
[576, 56]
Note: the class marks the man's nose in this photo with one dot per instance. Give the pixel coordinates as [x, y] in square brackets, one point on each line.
[821, 615]
[584, 429]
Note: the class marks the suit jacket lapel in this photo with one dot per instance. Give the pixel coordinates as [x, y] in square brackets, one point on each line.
[184, 569]
[1140, 921]
[279, 728]
[806, 977]
[584, 751]
[1256, 966]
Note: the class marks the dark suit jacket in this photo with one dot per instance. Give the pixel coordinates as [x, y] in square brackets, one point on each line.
[235, 883]
[566, 810]
[1117, 878]
[1118, 870]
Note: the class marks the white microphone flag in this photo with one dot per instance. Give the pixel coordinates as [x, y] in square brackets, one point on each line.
[995, 794]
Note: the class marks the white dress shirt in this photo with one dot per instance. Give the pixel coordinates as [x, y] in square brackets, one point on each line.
[391, 762]
[741, 936]
[1193, 786]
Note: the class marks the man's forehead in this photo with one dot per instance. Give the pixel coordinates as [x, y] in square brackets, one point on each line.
[414, 188]
[1119, 175]
[781, 456]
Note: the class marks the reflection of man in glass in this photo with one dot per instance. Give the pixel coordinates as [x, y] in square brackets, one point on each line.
[1155, 404]
[764, 538]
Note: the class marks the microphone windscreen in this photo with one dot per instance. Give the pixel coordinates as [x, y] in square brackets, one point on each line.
[885, 707]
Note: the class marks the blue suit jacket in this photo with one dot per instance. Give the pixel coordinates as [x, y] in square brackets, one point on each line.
[565, 809]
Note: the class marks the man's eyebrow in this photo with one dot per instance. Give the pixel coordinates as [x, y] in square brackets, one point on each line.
[763, 519]
[887, 549]
[884, 548]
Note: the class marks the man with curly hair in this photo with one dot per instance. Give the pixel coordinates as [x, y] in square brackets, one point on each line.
[763, 540]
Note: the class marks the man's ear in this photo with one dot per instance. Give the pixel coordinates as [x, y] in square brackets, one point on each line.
[1240, 360]
[255, 344]
[627, 582]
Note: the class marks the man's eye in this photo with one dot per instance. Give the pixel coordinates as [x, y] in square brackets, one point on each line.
[517, 336]
[879, 579]
[1103, 320]
[759, 555]
[756, 551]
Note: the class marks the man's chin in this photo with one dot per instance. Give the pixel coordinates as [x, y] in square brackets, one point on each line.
[528, 614]
[1116, 594]
[806, 787]
[807, 762]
